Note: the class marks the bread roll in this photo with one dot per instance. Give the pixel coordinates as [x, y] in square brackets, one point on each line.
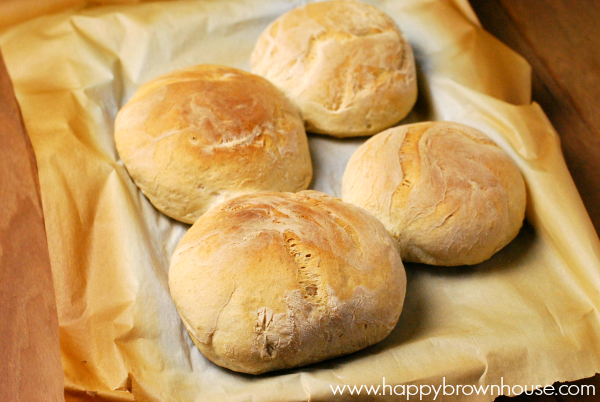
[345, 64]
[446, 192]
[195, 137]
[277, 280]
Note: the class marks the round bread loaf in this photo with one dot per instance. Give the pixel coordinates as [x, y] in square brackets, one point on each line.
[345, 64]
[445, 191]
[197, 136]
[278, 280]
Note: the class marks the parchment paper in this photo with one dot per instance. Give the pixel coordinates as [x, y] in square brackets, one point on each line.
[528, 316]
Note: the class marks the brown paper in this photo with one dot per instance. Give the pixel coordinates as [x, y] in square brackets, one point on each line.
[528, 316]
[29, 346]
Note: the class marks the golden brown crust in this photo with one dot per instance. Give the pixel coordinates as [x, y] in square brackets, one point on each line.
[278, 280]
[197, 136]
[345, 64]
[446, 192]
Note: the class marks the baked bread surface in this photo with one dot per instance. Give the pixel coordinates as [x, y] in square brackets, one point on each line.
[197, 136]
[278, 280]
[345, 64]
[446, 192]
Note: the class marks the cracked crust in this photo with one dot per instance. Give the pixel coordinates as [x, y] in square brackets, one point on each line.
[197, 136]
[279, 280]
[446, 192]
[345, 64]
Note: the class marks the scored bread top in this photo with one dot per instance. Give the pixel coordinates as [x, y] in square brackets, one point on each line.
[278, 280]
[345, 64]
[446, 192]
[197, 136]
